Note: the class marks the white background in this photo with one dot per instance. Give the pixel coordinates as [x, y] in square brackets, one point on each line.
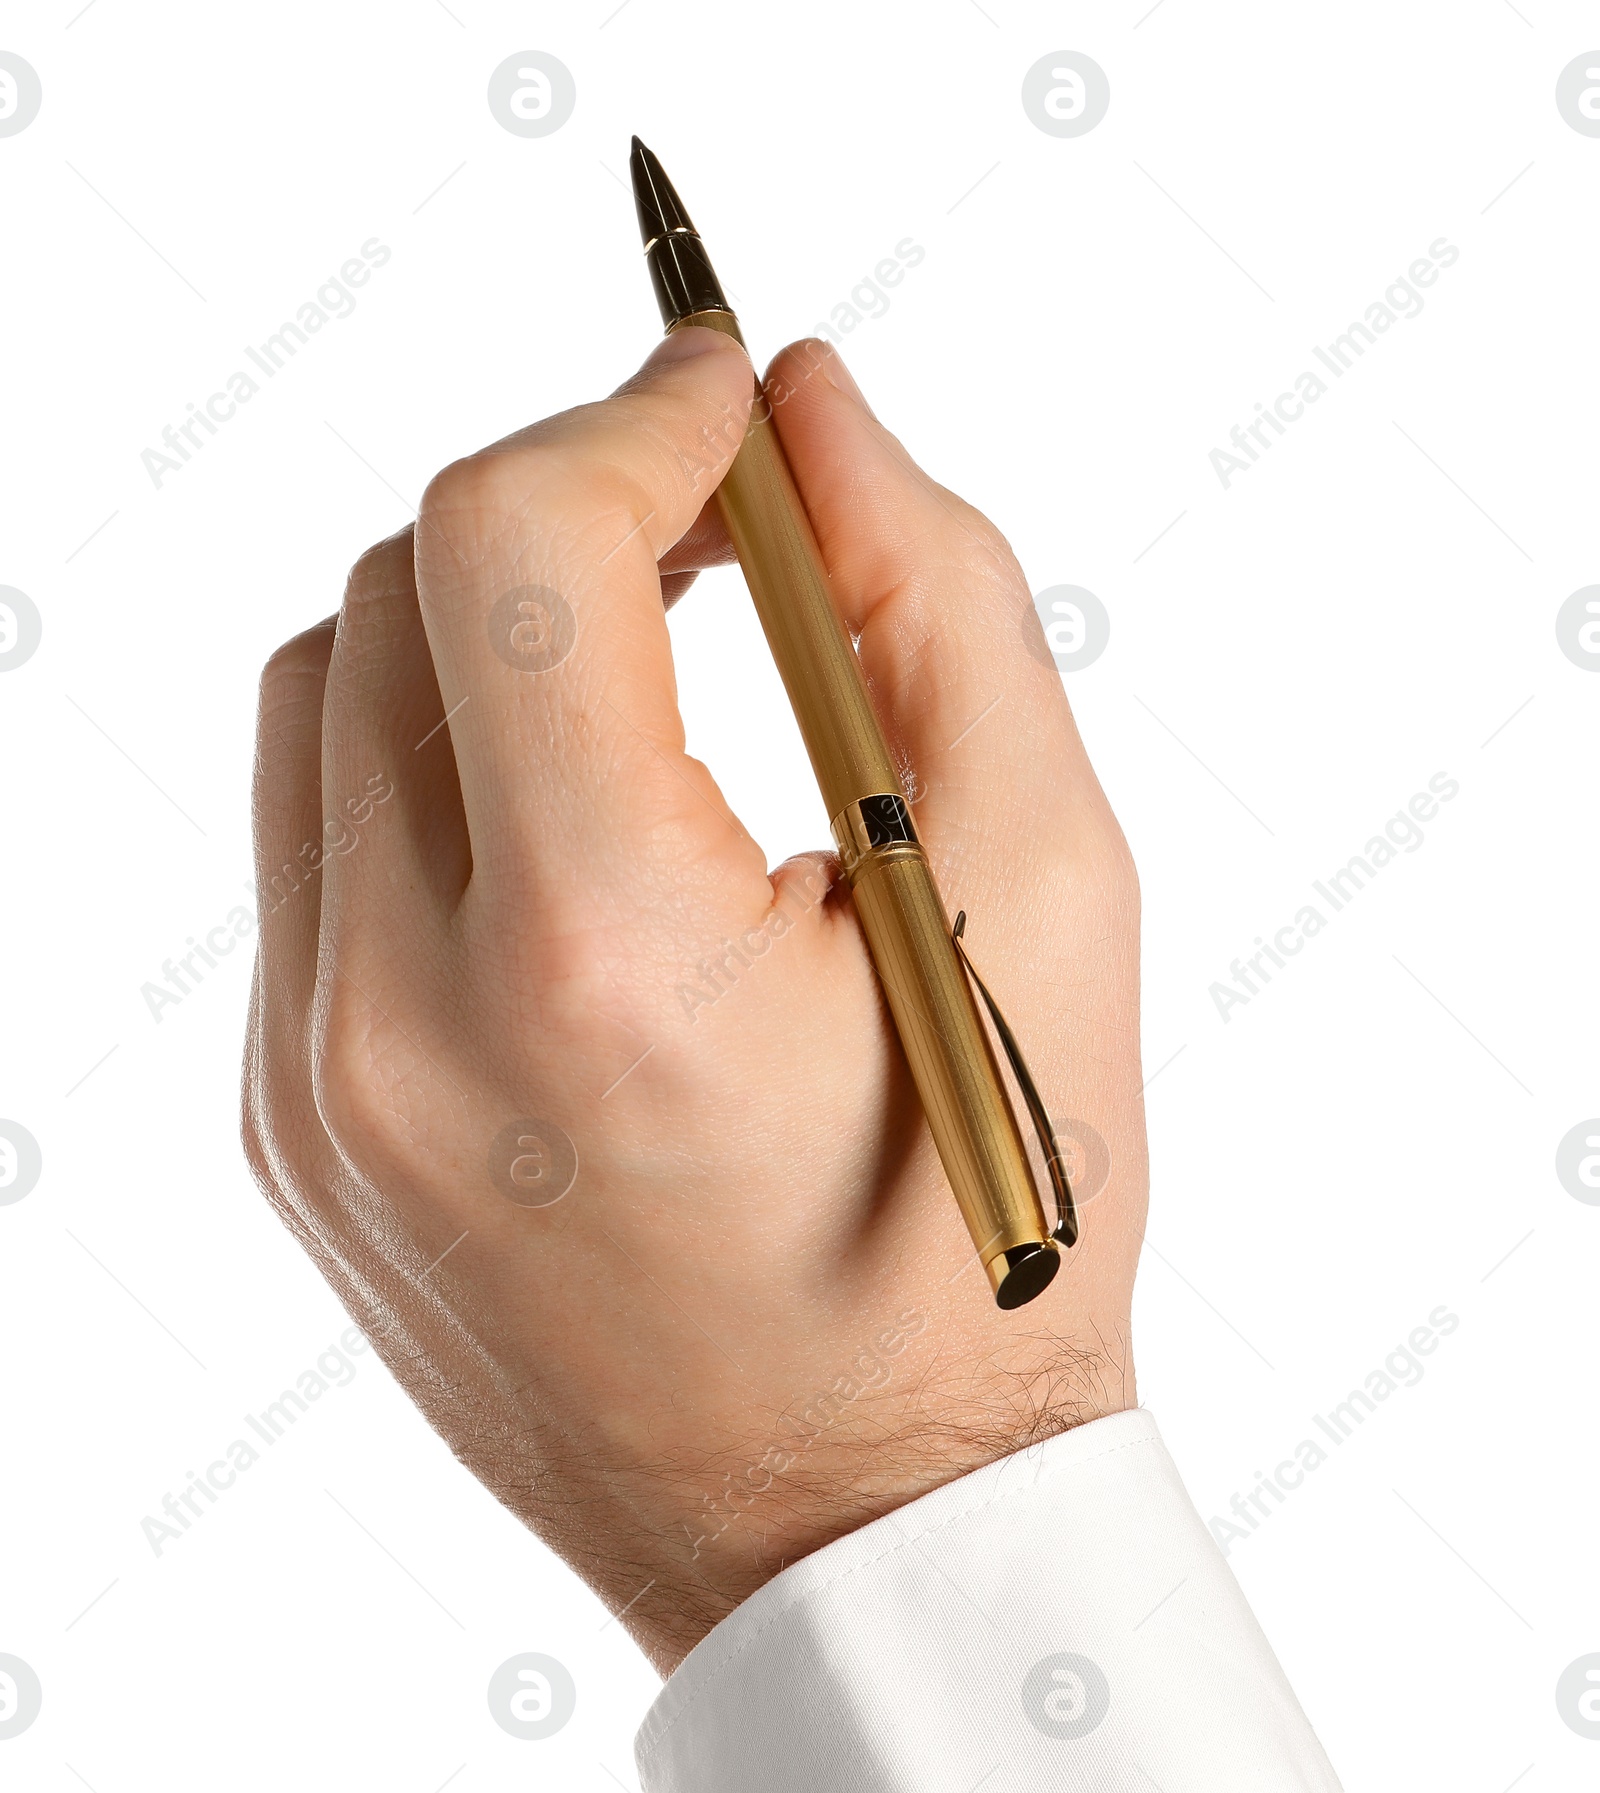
[1364, 1141]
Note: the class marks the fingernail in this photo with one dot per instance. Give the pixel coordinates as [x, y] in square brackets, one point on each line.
[839, 377]
[684, 343]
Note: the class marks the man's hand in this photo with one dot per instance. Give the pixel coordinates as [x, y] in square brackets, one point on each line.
[602, 1131]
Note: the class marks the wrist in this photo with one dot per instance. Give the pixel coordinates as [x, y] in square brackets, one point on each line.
[879, 1437]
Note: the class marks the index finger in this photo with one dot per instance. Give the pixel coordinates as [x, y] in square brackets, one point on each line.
[538, 584]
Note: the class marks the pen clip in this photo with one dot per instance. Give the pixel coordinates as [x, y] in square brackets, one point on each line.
[1066, 1227]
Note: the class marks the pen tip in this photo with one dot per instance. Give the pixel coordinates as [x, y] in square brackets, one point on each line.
[680, 269]
[661, 211]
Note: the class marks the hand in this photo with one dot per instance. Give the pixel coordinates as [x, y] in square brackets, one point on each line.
[534, 933]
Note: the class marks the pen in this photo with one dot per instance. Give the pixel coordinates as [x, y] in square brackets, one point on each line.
[921, 959]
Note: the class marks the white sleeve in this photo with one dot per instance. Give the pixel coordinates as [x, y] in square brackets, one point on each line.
[1059, 1619]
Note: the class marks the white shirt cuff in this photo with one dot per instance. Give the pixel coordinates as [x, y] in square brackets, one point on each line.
[1061, 1618]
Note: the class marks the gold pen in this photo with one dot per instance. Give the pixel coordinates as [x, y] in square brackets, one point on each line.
[920, 958]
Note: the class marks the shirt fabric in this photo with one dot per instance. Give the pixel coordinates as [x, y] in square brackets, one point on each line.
[1059, 1619]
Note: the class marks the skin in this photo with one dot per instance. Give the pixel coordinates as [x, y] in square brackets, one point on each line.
[755, 1321]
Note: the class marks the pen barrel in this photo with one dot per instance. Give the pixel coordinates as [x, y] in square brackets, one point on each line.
[783, 566]
[896, 898]
[954, 1068]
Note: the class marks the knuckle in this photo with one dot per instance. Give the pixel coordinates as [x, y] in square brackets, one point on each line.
[797, 361]
[1089, 867]
[298, 668]
[1114, 869]
[986, 535]
[265, 1132]
[471, 498]
[385, 567]
[1125, 871]
[277, 1184]
[558, 488]
[253, 1141]
[350, 1084]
